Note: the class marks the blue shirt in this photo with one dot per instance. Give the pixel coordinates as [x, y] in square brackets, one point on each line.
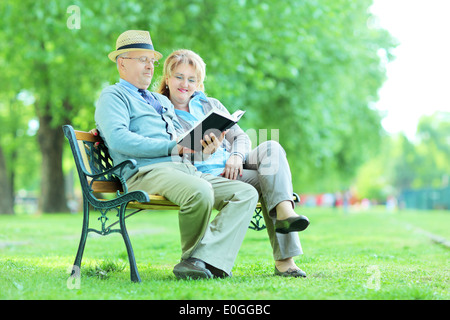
[131, 88]
[216, 163]
[132, 129]
[135, 92]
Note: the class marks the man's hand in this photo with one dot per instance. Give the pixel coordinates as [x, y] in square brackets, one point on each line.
[211, 143]
[183, 150]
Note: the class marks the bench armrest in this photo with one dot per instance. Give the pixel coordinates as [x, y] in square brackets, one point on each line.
[100, 170]
[116, 171]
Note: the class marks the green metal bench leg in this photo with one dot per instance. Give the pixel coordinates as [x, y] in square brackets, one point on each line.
[84, 233]
[257, 222]
[123, 230]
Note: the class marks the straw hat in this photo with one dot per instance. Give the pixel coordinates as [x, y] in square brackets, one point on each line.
[133, 40]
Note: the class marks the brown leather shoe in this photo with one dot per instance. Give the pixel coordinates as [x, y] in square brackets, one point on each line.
[295, 273]
[218, 273]
[192, 268]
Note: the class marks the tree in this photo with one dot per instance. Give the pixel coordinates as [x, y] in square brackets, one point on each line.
[316, 66]
[18, 151]
[7, 198]
[403, 164]
[433, 133]
[61, 63]
[306, 68]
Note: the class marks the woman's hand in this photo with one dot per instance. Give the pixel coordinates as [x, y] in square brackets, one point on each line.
[233, 167]
[95, 133]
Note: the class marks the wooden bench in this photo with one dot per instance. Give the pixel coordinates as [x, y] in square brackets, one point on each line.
[99, 176]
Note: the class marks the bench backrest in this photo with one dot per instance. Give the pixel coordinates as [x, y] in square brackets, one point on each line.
[90, 159]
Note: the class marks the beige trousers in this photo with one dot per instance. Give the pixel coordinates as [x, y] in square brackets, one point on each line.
[216, 242]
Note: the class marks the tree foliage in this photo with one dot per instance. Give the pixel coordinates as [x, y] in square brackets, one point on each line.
[405, 165]
[307, 68]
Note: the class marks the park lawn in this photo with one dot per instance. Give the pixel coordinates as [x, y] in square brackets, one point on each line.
[347, 255]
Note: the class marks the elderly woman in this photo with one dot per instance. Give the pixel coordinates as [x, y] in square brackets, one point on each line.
[265, 167]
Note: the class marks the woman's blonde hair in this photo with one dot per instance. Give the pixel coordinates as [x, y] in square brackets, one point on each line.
[174, 60]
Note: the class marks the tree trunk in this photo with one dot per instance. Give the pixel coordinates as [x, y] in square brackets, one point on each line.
[6, 192]
[51, 140]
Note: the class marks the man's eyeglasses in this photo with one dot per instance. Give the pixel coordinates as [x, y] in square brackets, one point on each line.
[145, 60]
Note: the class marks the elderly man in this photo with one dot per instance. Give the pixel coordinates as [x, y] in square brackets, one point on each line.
[139, 124]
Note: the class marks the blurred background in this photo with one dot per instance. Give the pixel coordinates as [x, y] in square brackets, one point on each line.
[356, 91]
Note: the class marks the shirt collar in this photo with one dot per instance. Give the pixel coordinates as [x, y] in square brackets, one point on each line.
[133, 89]
[128, 85]
[200, 95]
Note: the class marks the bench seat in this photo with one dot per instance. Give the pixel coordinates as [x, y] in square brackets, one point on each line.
[98, 178]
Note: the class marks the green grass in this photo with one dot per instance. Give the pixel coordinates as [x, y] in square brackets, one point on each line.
[365, 255]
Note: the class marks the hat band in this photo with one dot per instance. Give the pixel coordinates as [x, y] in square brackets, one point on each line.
[137, 46]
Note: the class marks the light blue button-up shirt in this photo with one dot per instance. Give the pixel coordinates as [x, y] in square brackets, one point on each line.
[135, 91]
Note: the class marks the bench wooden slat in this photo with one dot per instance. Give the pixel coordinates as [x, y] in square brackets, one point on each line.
[153, 205]
[157, 202]
[106, 186]
[86, 136]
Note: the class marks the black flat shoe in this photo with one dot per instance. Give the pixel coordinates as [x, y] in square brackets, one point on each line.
[192, 268]
[292, 224]
[295, 273]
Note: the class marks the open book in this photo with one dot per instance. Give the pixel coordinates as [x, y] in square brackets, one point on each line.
[215, 121]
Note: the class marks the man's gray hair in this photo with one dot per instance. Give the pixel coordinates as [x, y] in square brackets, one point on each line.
[125, 54]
